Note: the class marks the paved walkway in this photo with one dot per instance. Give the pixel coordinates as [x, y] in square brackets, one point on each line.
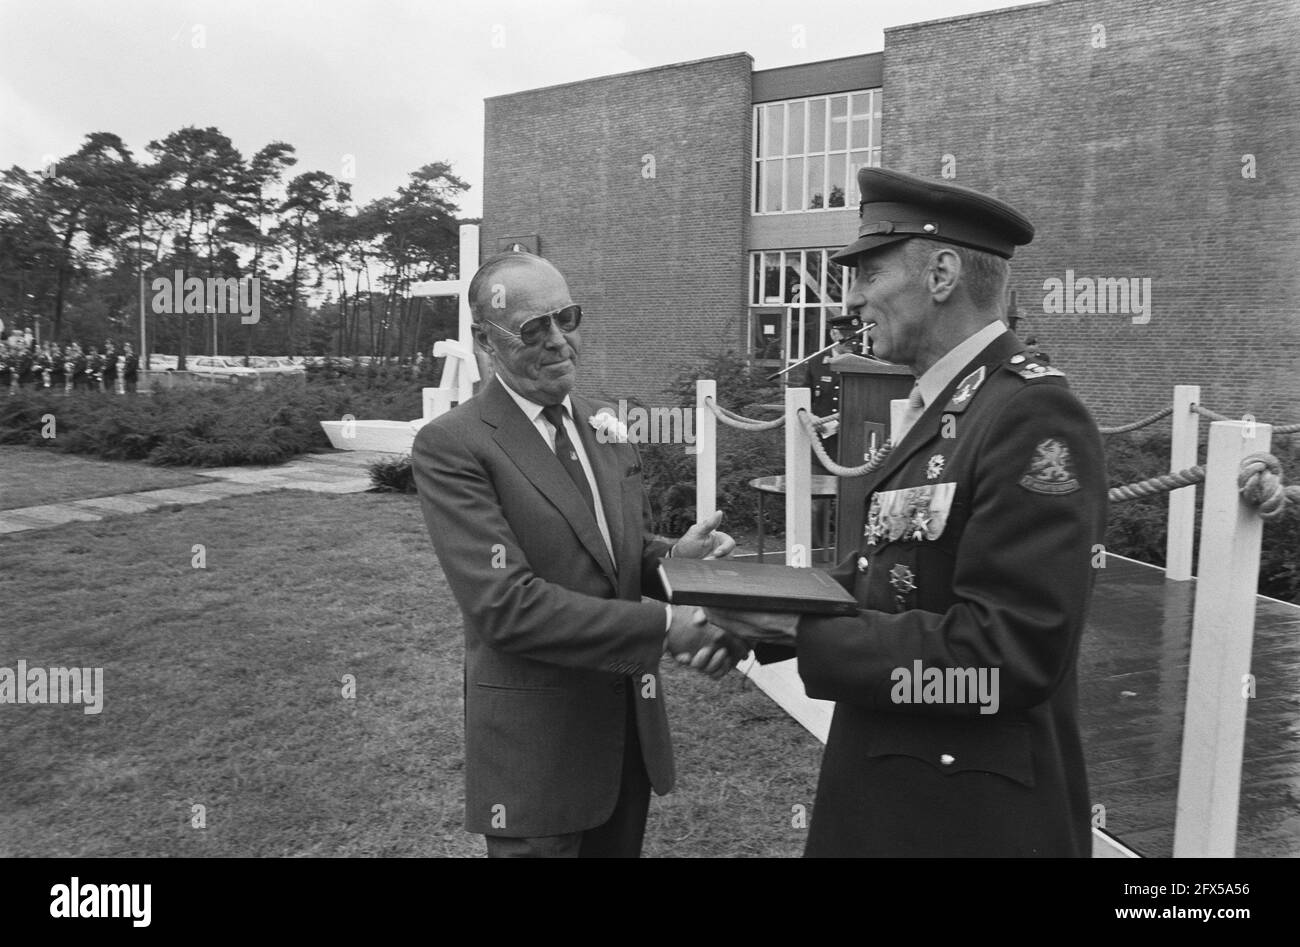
[344, 472]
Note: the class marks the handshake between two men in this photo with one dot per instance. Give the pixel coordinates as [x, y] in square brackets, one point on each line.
[715, 640]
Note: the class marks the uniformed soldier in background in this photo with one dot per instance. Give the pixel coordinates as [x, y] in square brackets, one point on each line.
[824, 384]
[956, 728]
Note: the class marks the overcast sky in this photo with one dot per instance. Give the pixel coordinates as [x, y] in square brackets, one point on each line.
[393, 83]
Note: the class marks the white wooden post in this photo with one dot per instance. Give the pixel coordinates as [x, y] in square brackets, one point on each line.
[798, 480]
[897, 408]
[1223, 626]
[1182, 502]
[706, 449]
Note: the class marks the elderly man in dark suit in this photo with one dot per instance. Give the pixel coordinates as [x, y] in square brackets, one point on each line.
[537, 515]
[956, 723]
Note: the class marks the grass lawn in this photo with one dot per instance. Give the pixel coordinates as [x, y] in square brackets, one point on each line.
[30, 476]
[222, 688]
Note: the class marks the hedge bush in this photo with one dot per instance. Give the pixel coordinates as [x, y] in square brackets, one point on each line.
[204, 427]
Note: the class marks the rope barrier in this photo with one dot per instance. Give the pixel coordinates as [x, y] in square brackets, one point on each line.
[1216, 416]
[1199, 409]
[732, 419]
[1150, 419]
[877, 456]
[1154, 485]
[1212, 415]
[1260, 483]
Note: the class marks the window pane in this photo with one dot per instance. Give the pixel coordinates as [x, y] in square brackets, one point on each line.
[775, 130]
[835, 284]
[756, 279]
[816, 182]
[811, 332]
[860, 133]
[816, 126]
[759, 125]
[836, 181]
[795, 137]
[792, 283]
[812, 276]
[839, 121]
[861, 102]
[858, 159]
[772, 185]
[794, 183]
[758, 187]
[771, 278]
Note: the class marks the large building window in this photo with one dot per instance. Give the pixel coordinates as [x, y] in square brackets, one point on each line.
[792, 293]
[807, 151]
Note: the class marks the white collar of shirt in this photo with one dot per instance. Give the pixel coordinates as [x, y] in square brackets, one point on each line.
[943, 372]
[532, 409]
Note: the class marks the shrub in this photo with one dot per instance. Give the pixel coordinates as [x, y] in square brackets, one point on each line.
[393, 475]
[669, 472]
[205, 427]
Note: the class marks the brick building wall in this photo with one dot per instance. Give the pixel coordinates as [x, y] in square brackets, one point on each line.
[658, 264]
[1129, 158]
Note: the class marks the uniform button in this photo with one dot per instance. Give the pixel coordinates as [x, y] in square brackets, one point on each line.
[1017, 359]
[618, 687]
[947, 760]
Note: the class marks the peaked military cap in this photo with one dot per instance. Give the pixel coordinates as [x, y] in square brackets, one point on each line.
[897, 206]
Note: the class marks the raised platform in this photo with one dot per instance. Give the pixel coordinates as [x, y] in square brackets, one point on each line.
[393, 437]
[1132, 693]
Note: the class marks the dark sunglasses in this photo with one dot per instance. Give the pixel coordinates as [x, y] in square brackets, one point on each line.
[534, 331]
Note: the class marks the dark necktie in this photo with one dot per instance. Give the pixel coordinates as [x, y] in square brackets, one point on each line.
[568, 457]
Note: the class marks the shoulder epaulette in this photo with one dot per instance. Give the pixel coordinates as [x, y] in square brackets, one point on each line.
[1029, 367]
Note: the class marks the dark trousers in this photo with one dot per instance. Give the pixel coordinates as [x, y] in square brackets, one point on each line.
[618, 837]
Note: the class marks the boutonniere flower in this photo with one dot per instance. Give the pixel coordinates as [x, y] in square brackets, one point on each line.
[608, 427]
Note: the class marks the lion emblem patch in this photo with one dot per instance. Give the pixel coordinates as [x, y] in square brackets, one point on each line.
[1051, 470]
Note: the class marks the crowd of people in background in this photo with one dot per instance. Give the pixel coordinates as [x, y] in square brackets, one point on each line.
[72, 367]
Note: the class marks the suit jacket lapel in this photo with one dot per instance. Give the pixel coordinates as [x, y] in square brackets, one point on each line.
[604, 465]
[525, 446]
[1001, 348]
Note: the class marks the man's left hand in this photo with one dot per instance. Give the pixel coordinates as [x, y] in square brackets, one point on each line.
[704, 541]
[757, 627]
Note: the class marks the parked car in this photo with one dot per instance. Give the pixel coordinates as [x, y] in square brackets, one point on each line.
[161, 363]
[220, 367]
[273, 365]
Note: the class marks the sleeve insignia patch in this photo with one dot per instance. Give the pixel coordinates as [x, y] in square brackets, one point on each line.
[1051, 471]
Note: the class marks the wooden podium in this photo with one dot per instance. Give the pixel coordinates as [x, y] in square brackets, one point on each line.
[866, 388]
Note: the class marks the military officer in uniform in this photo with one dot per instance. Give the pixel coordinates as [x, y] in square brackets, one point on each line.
[956, 728]
[824, 385]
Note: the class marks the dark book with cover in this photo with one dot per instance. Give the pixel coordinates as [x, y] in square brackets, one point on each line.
[754, 587]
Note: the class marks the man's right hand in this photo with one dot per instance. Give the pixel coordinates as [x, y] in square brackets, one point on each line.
[693, 641]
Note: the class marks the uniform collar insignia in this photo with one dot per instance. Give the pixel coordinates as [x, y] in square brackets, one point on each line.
[962, 395]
